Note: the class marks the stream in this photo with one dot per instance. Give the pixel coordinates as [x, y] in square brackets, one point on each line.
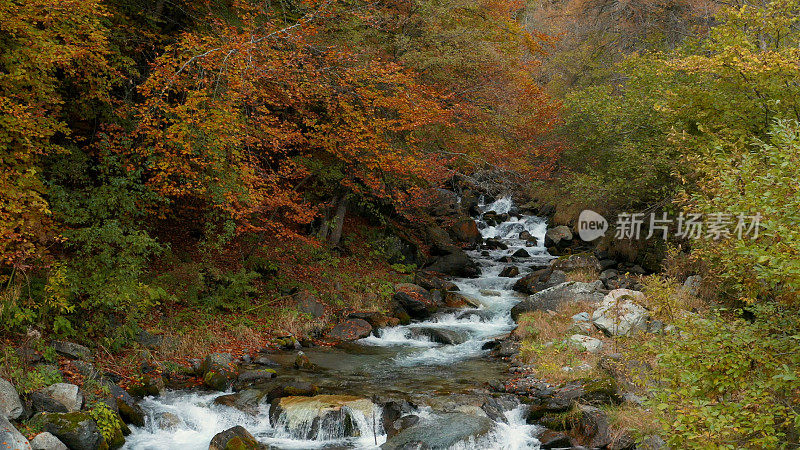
[443, 384]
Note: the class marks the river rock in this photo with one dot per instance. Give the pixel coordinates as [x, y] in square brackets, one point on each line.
[557, 296]
[431, 282]
[415, 300]
[441, 432]
[71, 350]
[438, 335]
[46, 441]
[550, 439]
[455, 263]
[479, 315]
[256, 376]
[236, 438]
[292, 389]
[539, 280]
[576, 262]
[396, 426]
[557, 236]
[466, 230]
[10, 404]
[619, 315]
[459, 300]
[59, 397]
[510, 272]
[495, 244]
[129, 410]
[246, 401]
[218, 370]
[375, 319]
[592, 429]
[263, 360]
[11, 438]
[349, 330]
[590, 344]
[168, 421]
[308, 303]
[76, 429]
[521, 253]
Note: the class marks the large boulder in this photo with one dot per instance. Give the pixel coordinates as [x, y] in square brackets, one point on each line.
[10, 437]
[554, 298]
[349, 330]
[620, 315]
[588, 343]
[459, 300]
[455, 263]
[236, 438]
[466, 230]
[415, 300]
[10, 404]
[592, 427]
[432, 282]
[509, 272]
[331, 416]
[440, 432]
[59, 397]
[444, 203]
[558, 236]
[129, 410]
[76, 429]
[539, 280]
[439, 241]
[46, 441]
[576, 262]
[247, 401]
[71, 350]
[217, 370]
[308, 303]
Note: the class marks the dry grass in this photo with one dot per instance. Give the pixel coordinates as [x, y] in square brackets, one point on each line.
[637, 420]
[288, 321]
[546, 345]
[585, 275]
[666, 298]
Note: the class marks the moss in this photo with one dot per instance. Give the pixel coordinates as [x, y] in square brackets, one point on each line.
[562, 421]
[237, 443]
[603, 389]
[215, 380]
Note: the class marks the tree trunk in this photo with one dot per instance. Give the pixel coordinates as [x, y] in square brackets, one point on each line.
[338, 223]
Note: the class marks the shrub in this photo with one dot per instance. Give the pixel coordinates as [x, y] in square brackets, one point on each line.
[759, 180]
[727, 382]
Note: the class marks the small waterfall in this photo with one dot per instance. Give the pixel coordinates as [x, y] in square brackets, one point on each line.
[327, 418]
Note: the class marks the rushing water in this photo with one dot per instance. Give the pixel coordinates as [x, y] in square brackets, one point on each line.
[398, 362]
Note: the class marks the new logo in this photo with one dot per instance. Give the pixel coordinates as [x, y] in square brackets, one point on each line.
[591, 225]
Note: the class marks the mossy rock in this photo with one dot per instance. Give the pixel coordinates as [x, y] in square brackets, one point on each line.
[236, 438]
[603, 390]
[77, 430]
[215, 380]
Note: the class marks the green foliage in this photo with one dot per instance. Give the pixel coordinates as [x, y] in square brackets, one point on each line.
[761, 179]
[107, 420]
[25, 378]
[730, 383]
[227, 291]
